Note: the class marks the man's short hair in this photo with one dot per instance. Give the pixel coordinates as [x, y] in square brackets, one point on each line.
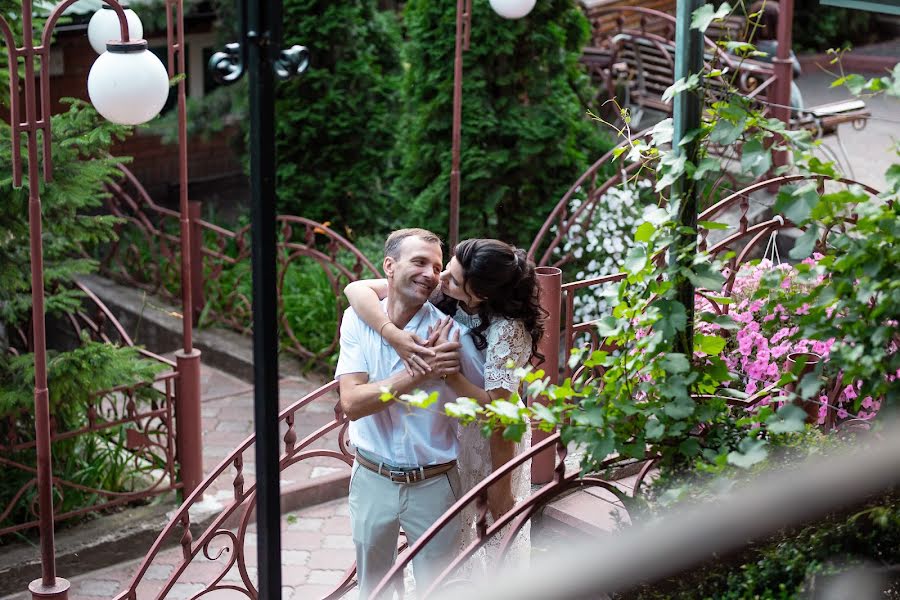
[395, 240]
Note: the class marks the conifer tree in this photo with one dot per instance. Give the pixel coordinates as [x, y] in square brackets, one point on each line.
[335, 125]
[526, 135]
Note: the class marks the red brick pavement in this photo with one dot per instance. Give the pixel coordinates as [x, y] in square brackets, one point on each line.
[316, 548]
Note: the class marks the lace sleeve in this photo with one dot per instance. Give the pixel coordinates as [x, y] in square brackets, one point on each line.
[507, 340]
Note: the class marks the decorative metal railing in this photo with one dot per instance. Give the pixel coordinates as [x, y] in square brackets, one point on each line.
[509, 525]
[744, 240]
[147, 256]
[133, 425]
[307, 436]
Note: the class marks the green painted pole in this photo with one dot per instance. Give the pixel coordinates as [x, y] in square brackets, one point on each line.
[687, 108]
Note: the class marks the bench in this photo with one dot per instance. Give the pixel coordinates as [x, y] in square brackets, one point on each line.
[635, 62]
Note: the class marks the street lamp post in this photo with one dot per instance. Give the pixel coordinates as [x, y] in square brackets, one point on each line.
[260, 50]
[125, 71]
[508, 9]
[104, 26]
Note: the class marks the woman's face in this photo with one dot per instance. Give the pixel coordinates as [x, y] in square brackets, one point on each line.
[453, 284]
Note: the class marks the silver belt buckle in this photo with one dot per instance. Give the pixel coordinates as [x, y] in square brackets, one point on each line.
[399, 476]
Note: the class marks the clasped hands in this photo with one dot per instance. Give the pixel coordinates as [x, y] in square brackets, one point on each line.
[436, 356]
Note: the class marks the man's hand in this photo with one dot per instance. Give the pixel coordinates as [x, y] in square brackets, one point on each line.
[446, 360]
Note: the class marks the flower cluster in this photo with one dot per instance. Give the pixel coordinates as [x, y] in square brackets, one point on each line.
[599, 245]
[759, 352]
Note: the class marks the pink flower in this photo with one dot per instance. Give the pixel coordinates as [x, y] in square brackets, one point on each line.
[842, 414]
[780, 334]
[780, 350]
[849, 393]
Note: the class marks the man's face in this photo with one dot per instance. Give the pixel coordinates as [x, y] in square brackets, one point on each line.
[416, 271]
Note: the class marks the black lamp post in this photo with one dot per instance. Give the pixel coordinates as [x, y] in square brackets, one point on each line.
[260, 50]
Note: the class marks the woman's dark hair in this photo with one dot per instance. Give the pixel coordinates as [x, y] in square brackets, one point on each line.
[504, 277]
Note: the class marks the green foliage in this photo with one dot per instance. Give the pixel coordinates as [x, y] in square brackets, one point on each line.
[81, 168]
[310, 307]
[73, 377]
[859, 305]
[99, 460]
[335, 125]
[818, 27]
[788, 565]
[525, 137]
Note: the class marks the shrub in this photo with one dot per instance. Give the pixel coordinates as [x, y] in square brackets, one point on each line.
[827, 27]
[525, 131]
[335, 125]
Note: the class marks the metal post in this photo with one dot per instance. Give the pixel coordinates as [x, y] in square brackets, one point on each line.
[199, 301]
[687, 107]
[784, 72]
[187, 407]
[262, 17]
[189, 440]
[550, 284]
[260, 53]
[463, 27]
[49, 585]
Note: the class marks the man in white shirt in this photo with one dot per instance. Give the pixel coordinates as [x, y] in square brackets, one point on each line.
[405, 471]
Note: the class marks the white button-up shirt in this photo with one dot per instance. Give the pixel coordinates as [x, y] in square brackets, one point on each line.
[403, 435]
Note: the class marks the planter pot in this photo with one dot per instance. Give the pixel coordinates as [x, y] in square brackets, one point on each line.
[811, 407]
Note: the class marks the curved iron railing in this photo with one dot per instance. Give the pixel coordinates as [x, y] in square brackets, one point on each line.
[147, 256]
[743, 239]
[138, 420]
[239, 510]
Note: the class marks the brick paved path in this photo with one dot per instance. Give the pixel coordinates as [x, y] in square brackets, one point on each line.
[316, 549]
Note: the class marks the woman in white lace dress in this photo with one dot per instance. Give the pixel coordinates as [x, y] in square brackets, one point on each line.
[489, 287]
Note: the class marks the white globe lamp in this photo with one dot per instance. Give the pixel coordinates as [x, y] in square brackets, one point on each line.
[104, 26]
[512, 9]
[128, 84]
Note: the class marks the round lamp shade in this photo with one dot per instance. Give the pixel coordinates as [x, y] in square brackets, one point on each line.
[512, 9]
[104, 26]
[128, 88]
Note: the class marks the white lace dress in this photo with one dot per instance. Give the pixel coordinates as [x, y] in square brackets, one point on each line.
[507, 340]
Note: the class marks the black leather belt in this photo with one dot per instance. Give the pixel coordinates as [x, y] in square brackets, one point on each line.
[411, 475]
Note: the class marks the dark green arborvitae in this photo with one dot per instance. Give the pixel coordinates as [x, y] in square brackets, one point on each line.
[336, 123]
[526, 136]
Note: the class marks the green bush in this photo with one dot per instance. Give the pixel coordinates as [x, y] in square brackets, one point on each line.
[818, 28]
[71, 229]
[335, 124]
[787, 565]
[99, 460]
[525, 132]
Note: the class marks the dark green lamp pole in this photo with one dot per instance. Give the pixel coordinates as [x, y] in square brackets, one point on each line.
[686, 116]
[260, 50]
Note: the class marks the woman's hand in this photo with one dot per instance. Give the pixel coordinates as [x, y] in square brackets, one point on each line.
[410, 347]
